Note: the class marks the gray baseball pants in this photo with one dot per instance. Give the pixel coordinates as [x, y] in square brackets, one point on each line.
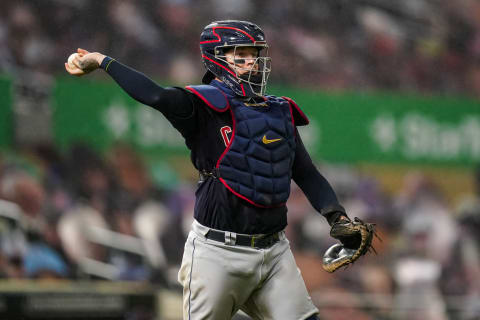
[219, 278]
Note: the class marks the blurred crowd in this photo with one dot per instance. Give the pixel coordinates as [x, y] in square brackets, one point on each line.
[81, 216]
[85, 215]
[425, 46]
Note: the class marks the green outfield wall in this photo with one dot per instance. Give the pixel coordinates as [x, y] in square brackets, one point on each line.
[6, 120]
[345, 127]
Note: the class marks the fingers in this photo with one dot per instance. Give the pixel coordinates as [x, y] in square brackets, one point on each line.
[74, 71]
[73, 66]
[76, 61]
[82, 63]
[82, 52]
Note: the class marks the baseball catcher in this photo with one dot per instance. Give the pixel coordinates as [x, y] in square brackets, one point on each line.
[356, 240]
[247, 149]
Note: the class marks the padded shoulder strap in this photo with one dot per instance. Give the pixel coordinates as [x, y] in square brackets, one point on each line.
[213, 97]
[299, 117]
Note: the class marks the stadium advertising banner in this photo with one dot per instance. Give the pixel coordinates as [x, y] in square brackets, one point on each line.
[344, 127]
[100, 114]
[360, 127]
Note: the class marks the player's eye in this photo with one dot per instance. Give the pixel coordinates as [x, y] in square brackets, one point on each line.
[239, 61]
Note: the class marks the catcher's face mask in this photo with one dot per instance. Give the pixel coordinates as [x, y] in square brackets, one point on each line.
[251, 64]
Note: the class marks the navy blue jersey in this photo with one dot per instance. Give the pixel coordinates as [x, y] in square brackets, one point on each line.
[207, 134]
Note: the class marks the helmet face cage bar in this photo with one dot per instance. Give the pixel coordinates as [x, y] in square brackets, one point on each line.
[255, 76]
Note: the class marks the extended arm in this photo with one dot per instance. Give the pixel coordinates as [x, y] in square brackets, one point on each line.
[170, 101]
[314, 185]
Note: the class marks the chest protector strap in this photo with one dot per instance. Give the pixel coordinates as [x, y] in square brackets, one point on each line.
[257, 164]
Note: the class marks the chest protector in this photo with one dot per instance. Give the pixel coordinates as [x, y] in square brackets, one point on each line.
[257, 163]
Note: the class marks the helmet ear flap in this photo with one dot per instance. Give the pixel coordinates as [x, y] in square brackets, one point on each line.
[208, 77]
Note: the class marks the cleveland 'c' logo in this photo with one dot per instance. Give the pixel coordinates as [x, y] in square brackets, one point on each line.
[267, 141]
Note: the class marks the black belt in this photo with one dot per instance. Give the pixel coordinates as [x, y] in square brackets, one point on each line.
[259, 242]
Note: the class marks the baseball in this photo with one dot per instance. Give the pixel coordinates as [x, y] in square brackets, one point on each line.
[70, 60]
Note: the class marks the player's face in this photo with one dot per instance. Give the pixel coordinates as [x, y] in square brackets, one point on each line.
[243, 59]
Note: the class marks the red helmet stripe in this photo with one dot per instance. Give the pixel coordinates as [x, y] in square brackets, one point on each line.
[218, 64]
[218, 36]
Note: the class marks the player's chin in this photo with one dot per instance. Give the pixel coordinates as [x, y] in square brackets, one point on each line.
[254, 78]
[245, 72]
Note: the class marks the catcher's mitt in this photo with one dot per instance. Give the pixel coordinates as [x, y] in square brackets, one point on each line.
[356, 240]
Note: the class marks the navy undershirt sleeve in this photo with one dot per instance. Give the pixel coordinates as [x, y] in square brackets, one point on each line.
[314, 185]
[173, 102]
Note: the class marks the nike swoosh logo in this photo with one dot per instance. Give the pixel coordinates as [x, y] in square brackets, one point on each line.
[267, 141]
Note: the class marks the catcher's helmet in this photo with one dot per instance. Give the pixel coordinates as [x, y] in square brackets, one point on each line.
[220, 36]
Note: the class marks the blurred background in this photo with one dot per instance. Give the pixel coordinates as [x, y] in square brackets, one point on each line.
[97, 191]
